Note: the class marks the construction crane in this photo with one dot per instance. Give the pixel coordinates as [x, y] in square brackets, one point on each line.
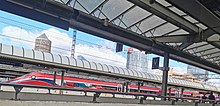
[73, 43]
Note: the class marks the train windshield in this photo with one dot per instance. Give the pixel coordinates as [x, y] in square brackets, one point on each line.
[23, 76]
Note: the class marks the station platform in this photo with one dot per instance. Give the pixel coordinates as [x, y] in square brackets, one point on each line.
[33, 99]
[53, 103]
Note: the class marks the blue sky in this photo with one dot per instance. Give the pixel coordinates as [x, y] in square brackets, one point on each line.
[33, 25]
[7, 19]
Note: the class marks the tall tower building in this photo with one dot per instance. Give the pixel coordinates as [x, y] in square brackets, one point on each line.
[42, 43]
[136, 60]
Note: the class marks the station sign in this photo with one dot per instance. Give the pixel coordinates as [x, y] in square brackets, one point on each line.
[155, 62]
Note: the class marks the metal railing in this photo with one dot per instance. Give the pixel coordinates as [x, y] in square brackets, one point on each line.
[143, 96]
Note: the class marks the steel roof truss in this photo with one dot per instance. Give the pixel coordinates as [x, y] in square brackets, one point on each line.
[196, 47]
[166, 14]
[100, 12]
[82, 6]
[217, 59]
[166, 34]
[185, 45]
[213, 57]
[203, 51]
[100, 5]
[120, 19]
[79, 20]
[210, 54]
[139, 21]
[199, 12]
[68, 2]
[124, 12]
[154, 28]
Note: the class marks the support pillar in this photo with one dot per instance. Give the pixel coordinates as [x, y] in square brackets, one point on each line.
[169, 93]
[123, 87]
[165, 74]
[139, 90]
[17, 90]
[113, 95]
[62, 78]
[139, 87]
[62, 81]
[127, 87]
[182, 90]
[54, 78]
[85, 93]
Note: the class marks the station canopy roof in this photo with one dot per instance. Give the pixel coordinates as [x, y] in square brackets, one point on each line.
[162, 20]
[189, 27]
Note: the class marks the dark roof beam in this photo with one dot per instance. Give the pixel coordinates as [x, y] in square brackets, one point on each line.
[202, 36]
[173, 38]
[166, 14]
[204, 16]
[199, 12]
[206, 34]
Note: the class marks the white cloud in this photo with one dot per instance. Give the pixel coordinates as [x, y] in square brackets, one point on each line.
[61, 44]
[180, 70]
[109, 44]
[101, 55]
[17, 36]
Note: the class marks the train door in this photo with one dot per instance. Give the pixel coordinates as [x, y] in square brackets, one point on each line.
[129, 88]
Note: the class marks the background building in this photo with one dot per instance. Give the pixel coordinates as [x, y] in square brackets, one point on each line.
[198, 73]
[182, 76]
[42, 43]
[205, 76]
[136, 60]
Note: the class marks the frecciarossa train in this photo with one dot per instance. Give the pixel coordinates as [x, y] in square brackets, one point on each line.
[44, 79]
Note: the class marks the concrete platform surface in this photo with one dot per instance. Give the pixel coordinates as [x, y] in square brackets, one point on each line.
[33, 99]
[54, 103]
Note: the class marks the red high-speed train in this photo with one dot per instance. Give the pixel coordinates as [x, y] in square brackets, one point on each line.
[44, 79]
